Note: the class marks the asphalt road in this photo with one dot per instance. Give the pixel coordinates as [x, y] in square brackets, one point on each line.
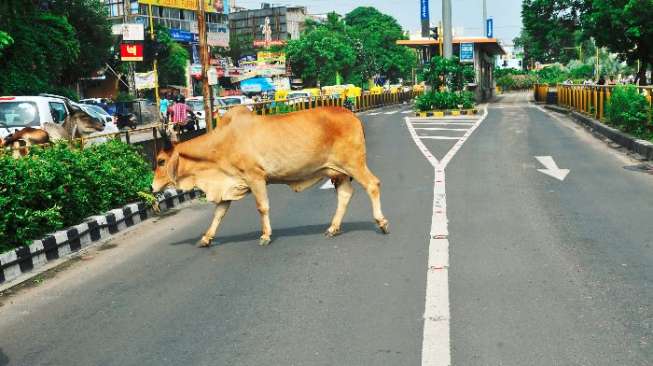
[542, 272]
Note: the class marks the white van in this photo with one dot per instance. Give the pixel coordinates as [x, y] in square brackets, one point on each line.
[29, 111]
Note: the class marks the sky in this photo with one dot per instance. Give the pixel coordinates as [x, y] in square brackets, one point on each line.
[465, 13]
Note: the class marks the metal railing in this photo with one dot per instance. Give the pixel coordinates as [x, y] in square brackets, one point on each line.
[587, 99]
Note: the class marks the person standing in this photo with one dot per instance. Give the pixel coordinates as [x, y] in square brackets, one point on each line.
[163, 108]
[179, 112]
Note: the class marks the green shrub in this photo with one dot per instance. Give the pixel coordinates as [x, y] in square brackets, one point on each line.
[629, 111]
[516, 82]
[53, 188]
[435, 100]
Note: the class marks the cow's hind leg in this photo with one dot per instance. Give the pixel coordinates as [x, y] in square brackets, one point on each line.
[220, 211]
[372, 185]
[260, 192]
[345, 190]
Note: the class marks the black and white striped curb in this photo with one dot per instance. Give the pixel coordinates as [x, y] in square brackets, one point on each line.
[71, 240]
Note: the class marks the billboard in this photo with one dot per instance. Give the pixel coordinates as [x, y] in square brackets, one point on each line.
[424, 16]
[211, 6]
[129, 31]
[131, 52]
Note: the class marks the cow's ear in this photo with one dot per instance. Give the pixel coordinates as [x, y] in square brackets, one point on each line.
[172, 166]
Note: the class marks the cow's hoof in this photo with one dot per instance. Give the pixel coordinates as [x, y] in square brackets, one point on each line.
[331, 232]
[264, 242]
[384, 226]
[204, 243]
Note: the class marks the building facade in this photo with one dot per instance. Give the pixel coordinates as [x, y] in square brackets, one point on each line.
[285, 23]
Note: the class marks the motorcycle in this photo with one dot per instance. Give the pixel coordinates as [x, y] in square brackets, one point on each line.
[125, 120]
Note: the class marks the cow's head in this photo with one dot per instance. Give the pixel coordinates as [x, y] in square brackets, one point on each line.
[84, 122]
[167, 160]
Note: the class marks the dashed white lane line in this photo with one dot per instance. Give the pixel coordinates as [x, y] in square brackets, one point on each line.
[391, 112]
[407, 112]
[374, 113]
[443, 123]
[436, 342]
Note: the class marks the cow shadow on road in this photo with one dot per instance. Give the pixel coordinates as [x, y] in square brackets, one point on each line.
[282, 232]
[4, 360]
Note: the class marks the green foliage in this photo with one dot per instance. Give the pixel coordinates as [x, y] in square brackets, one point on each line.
[125, 97]
[436, 100]
[359, 48]
[321, 53]
[443, 72]
[60, 186]
[5, 41]
[552, 75]
[51, 48]
[629, 111]
[516, 81]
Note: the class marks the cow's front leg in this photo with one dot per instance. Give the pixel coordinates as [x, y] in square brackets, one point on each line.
[260, 192]
[220, 211]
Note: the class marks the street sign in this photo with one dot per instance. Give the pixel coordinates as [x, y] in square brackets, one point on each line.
[466, 52]
[131, 52]
[490, 28]
[218, 39]
[181, 35]
[129, 31]
[424, 9]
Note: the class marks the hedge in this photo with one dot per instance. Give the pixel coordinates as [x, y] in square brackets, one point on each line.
[629, 111]
[444, 100]
[52, 188]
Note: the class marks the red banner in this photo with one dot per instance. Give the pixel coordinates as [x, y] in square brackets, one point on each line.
[131, 52]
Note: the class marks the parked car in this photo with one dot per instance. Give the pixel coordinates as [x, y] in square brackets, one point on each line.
[196, 105]
[17, 112]
[101, 114]
[298, 97]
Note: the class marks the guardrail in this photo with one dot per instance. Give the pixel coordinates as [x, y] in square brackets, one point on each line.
[587, 99]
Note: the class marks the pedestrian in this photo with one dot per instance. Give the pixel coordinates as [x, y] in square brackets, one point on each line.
[601, 80]
[163, 108]
[179, 112]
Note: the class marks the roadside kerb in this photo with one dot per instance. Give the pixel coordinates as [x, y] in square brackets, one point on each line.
[447, 113]
[27, 260]
[638, 146]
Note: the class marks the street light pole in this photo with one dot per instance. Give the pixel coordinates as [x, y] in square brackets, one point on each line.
[204, 59]
[447, 36]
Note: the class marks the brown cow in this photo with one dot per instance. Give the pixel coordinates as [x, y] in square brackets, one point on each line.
[244, 155]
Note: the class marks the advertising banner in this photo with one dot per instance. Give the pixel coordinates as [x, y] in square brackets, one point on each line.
[131, 52]
[211, 6]
[129, 32]
[145, 80]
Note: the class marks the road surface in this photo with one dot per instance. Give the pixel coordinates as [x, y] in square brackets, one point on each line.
[535, 271]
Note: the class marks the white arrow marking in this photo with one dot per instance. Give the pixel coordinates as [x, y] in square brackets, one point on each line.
[328, 185]
[552, 169]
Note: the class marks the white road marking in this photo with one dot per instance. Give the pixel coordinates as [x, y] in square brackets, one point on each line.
[552, 169]
[443, 123]
[440, 129]
[407, 112]
[374, 114]
[440, 137]
[392, 112]
[436, 342]
[328, 185]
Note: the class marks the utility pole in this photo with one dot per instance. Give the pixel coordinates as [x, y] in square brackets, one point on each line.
[204, 59]
[156, 55]
[130, 65]
[484, 18]
[447, 36]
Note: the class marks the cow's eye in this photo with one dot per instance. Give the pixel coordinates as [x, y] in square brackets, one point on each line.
[161, 162]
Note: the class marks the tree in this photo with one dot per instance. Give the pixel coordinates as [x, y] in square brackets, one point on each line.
[5, 41]
[93, 32]
[378, 34]
[322, 52]
[625, 27]
[550, 29]
[44, 46]
[54, 43]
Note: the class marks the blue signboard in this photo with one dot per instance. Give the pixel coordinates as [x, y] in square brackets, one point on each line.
[490, 28]
[181, 35]
[424, 10]
[466, 52]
